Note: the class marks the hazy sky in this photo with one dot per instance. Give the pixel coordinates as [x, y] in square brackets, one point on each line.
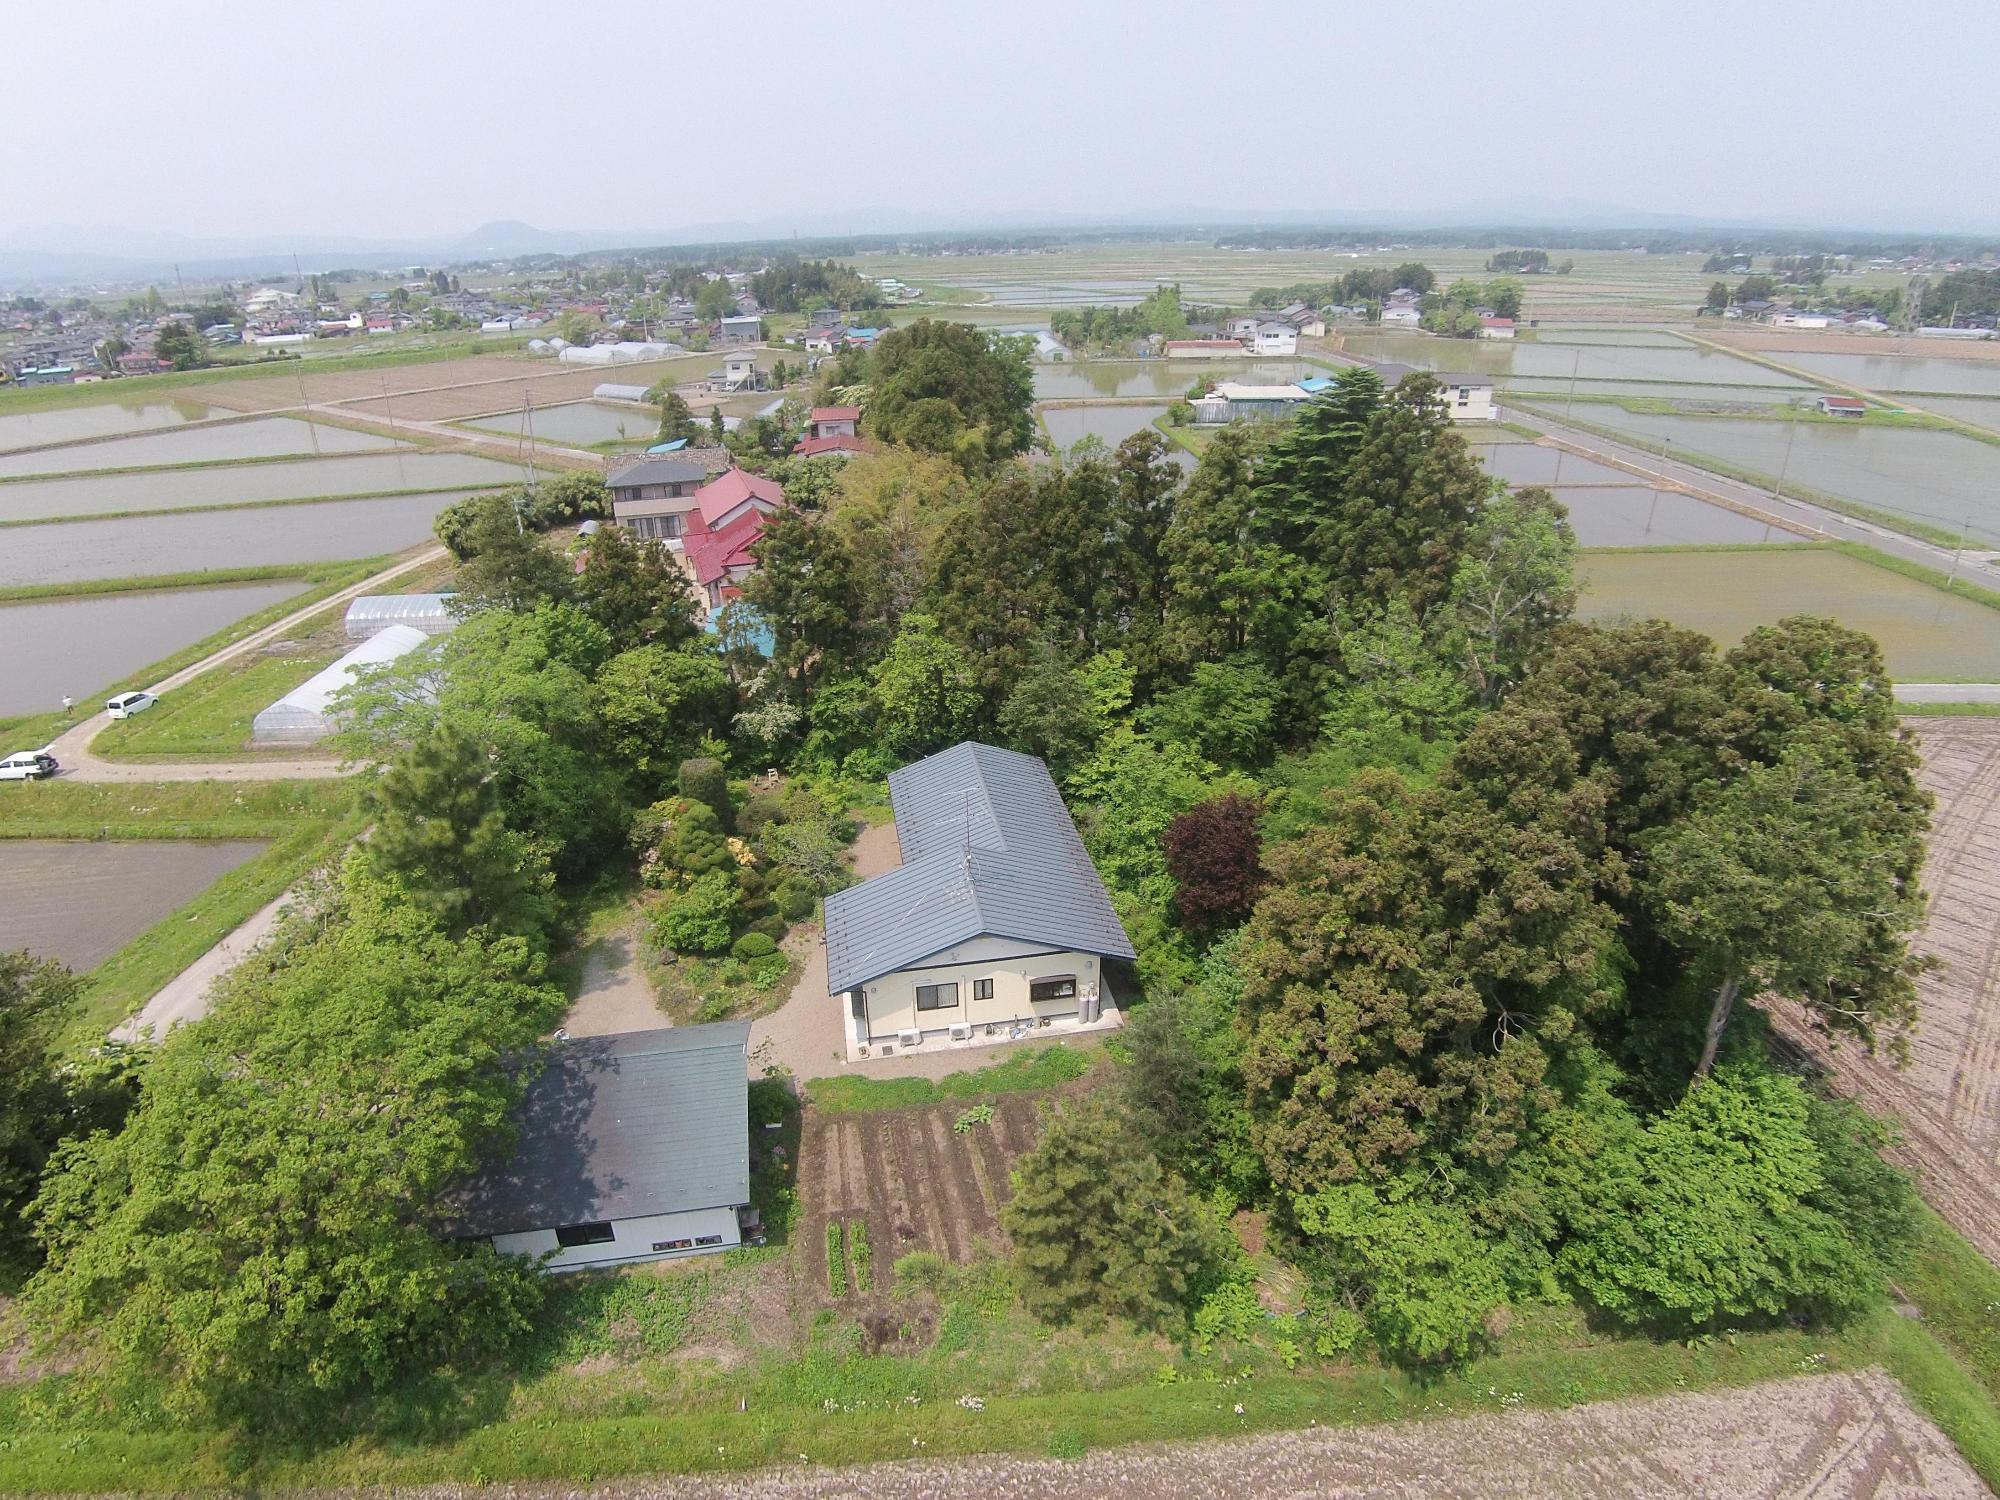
[404, 118]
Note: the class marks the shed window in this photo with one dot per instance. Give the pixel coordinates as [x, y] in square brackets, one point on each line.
[664, 1245]
[1060, 988]
[982, 989]
[937, 996]
[572, 1235]
[708, 1239]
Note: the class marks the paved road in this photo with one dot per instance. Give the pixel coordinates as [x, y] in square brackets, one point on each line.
[1797, 515]
[72, 748]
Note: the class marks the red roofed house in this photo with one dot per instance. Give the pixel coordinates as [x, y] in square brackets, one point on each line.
[1496, 328]
[833, 446]
[834, 421]
[728, 516]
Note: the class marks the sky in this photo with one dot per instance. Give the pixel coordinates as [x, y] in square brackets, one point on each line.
[406, 119]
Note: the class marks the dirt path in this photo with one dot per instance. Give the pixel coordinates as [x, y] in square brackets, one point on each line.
[72, 747]
[1948, 1099]
[614, 994]
[1833, 1437]
[185, 997]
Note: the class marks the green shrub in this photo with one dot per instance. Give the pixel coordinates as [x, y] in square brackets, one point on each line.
[836, 1259]
[699, 919]
[703, 780]
[860, 1256]
[768, 970]
[760, 811]
[922, 1270]
[771, 926]
[752, 945]
[795, 900]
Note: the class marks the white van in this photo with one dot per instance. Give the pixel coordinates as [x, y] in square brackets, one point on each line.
[127, 704]
[28, 765]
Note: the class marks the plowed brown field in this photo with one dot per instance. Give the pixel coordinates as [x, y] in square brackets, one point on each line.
[441, 391]
[1948, 1098]
[915, 1181]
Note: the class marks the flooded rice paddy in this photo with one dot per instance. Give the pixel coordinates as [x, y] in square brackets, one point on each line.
[1112, 424]
[1634, 516]
[81, 646]
[1589, 362]
[67, 424]
[1555, 389]
[1926, 635]
[1532, 463]
[1944, 478]
[357, 474]
[580, 422]
[1160, 377]
[1979, 412]
[328, 531]
[1894, 372]
[265, 437]
[81, 902]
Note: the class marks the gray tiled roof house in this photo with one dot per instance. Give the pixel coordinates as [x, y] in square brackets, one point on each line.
[621, 1127]
[988, 851]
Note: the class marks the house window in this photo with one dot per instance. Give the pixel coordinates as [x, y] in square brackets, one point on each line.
[661, 1246]
[1062, 988]
[937, 996]
[982, 989]
[570, 1236]
[708, 1239]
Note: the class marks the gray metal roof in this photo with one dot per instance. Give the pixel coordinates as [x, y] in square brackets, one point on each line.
[988, 851]
[659, 471]
[616, 1127]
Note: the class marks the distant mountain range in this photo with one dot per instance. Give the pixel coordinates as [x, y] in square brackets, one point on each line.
[83, 256]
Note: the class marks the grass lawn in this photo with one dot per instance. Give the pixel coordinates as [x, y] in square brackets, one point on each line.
[209, 718]
[307, 821]
[606, 1389]
[1029, 1070]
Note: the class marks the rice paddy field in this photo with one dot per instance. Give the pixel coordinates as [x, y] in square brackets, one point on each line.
[188, 541]
[262, 437]
[251, 484]
[583, 423]
[1926, 634]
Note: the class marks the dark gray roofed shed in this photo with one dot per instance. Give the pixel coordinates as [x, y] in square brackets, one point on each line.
[619, 1127]
[660, 471]
[988, 851]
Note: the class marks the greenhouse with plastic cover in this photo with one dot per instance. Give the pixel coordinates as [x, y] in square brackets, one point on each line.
[372, 614]
[303, 716]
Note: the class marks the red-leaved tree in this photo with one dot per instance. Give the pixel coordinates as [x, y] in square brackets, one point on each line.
[1215, 855]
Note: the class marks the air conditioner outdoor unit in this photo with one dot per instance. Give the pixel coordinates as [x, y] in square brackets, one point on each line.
[961, 1033]
[910, 1038]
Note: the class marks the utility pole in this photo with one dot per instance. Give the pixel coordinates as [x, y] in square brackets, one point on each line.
[1791, 433]
[1575, 364]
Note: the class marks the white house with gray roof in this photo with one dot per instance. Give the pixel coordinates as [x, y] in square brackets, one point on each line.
[995, 926]
[630, 1147]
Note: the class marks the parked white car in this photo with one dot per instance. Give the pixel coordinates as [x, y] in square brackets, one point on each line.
[124, 705]
[28, 765]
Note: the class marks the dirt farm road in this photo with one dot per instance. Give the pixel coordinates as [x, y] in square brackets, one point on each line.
[1833, 1437]
[72, 747]
[1948, 1098]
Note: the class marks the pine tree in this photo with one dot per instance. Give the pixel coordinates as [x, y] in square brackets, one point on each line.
[1099, 1226]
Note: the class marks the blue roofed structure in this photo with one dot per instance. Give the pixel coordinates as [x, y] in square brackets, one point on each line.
[996, 917]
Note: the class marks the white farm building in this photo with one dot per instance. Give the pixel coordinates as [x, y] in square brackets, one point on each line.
[302, 716]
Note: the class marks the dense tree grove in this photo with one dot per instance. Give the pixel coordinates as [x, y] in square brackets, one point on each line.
[1455, 917]
[791, 285]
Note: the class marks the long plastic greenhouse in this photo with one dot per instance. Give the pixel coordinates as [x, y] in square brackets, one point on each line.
[301, 717]
[373, 613]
